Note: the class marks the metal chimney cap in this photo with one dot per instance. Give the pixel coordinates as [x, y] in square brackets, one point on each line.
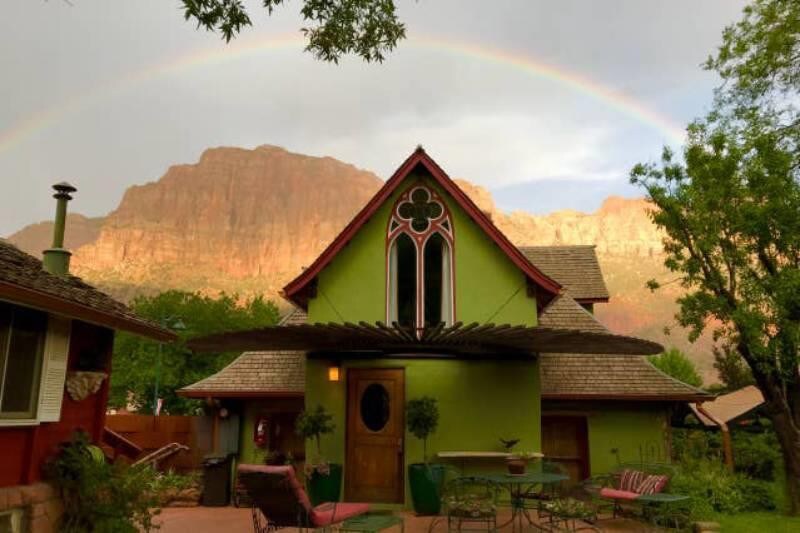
[64, 187]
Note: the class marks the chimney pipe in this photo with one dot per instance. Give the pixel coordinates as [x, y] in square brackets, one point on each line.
[56, 258]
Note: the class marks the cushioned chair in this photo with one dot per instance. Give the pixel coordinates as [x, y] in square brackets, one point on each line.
[470, 503]
[279, 498]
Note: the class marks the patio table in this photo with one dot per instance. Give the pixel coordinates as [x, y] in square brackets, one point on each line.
[518, 486]
[372, 523]
[661, 506]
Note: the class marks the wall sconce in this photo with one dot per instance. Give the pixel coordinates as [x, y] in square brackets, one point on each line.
[333, 371]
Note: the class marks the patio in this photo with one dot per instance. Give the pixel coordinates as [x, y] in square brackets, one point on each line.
[236, 520]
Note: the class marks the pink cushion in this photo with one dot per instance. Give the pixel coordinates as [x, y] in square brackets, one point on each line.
[615, 494]
[326, 514]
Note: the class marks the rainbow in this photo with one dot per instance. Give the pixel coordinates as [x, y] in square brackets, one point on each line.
[625, 105]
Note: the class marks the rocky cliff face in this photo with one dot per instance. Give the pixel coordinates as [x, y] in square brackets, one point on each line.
[238, 220]
[37, 237]
[247, 221]
[620, 228]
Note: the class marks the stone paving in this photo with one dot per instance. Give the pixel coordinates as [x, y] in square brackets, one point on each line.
[233, 520]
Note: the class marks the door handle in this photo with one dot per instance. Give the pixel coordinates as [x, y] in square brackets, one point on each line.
[400, 445]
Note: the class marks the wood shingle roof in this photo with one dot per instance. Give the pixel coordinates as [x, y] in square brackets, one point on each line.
[255, 374]
[24, 281]
[602, 376]
[575, 267]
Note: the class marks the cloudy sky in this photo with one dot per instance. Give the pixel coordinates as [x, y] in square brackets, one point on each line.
[546, 103]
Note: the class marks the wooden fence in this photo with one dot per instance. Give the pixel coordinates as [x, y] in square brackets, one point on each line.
[152, 432]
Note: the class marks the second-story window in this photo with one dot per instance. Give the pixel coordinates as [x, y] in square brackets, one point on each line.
[419, 260]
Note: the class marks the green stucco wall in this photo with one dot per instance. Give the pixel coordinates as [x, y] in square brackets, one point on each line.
[620, 431]
[479, 402]
[488, 286]
[250, 411]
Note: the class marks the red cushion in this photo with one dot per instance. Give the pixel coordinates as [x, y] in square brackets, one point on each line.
[631, 479]
[652, 484]
[326, 514]
[615, 494]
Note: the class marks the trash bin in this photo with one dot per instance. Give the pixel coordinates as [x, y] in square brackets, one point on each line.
[216, 480]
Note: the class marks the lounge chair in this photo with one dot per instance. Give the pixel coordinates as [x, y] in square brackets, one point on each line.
[279, 500]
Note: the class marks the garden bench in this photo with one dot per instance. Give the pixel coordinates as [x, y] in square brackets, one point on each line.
[628, 483]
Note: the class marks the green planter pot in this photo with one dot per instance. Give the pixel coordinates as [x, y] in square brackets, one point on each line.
[426, 487]
[324, 488]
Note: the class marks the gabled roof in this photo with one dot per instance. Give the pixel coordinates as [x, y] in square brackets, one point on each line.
[727, 407]
[565, 313]
[602, 376]
[297, 291]
[575, 267]
[255, 374]
[24, 281]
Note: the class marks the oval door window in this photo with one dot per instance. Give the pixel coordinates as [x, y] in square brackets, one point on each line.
[375, 407]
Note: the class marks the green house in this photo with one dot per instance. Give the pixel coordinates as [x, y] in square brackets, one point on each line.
[421, 295]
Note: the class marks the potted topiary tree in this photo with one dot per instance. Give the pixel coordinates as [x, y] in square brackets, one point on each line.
[425, 479]
[323, 479]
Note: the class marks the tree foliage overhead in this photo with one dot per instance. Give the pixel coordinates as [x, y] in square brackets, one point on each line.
[676, 364]
[136, 359]
[366, 28]
[731, 369]
[730, 210]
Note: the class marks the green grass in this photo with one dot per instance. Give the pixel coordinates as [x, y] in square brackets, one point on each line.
[758, 522]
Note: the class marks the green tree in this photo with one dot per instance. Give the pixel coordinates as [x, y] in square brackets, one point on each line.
[730, 211]
[136, 361]
[675, 363]
[367, 28]
[731, 368]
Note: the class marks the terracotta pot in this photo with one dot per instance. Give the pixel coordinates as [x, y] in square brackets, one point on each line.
[516, 466]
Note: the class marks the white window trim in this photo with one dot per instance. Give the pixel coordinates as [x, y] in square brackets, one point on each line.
[54, 365]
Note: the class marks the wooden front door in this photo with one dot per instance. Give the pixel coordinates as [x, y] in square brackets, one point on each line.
[375, 429]
[565, 440]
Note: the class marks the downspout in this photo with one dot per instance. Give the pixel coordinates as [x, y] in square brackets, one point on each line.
[727, 448]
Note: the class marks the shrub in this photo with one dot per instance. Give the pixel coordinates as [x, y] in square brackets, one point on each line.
[758, 495]
[422, 419]
[712, 488]
[756, 454]
[314, 424]
[100, 497]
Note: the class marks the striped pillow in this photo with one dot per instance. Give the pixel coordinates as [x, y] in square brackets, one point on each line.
[652, 484]
[630, 480]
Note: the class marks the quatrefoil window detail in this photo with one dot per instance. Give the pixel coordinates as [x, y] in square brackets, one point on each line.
[420, 210]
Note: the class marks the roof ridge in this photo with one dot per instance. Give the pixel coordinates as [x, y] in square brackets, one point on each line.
[294, 290]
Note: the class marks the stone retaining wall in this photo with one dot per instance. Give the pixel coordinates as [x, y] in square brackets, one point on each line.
[41, 505]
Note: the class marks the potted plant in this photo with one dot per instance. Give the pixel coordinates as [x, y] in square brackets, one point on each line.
[425, 479]
[516, 464]
[323, 479]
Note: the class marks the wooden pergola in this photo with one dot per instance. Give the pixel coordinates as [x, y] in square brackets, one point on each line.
[459, 340]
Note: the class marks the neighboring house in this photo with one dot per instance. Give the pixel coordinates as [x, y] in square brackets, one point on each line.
[421, 295]
[737, 408]
[56, 338]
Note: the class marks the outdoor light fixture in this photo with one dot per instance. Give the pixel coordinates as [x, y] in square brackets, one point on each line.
[333, 372]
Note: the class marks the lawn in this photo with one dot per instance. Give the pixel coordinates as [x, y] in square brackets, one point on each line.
[757, 522]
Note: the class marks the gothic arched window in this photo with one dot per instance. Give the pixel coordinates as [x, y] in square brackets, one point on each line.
[420, 260]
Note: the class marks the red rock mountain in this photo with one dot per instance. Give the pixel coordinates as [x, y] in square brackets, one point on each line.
[246, 221]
